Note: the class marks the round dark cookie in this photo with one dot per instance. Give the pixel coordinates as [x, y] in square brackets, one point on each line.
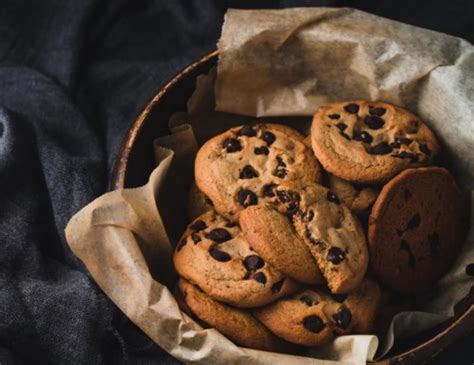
[416, 229]
[370, 142]
[236, 168]
[214, 255]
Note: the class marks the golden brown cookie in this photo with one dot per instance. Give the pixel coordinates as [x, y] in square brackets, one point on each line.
[236, 324]
[416, 229]
[214, 255]
[370, 142]
[237, 168]
[313, 316]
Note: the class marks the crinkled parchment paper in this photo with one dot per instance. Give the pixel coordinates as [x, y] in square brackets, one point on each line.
[281, 63]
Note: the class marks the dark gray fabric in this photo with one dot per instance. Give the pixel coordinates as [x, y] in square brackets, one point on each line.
[73, 76]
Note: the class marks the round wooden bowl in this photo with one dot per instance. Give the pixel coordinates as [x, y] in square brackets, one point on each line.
[135, 161]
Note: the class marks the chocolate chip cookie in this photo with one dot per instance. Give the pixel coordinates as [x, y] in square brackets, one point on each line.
[370, 142]
[214, 255]
[357, 197]
[273, 236]
[331, 232]
[198, 203]
[327, 227]
[313, 316]
[416, 229]
[236, 324]
[238, 168]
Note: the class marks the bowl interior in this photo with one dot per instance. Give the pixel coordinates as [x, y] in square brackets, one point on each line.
[135, 162]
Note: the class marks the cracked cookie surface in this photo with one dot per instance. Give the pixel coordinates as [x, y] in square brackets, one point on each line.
[214, 255]
[237, 168]
[370, 142]
[415, 229]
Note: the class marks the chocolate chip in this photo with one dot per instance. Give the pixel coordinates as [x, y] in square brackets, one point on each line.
[291, 199]
[470, 269]
[219, 255]
[308, 300]
[195, 238]
[248, 172]
[292, 209]
[352, 108]
[260, 277]
[277, 286]
[424, 148]
[406, 155]
[433, 240]
[198, 225]
[406, 247]
[399, 141]
[335, 255]
[308, 216]
[339, 297]
[288, 196]
[230, 224]
[181, 244]
[342, 127]
[280, 170]
[253, 262]
[332, 197]
[413, 222]
[310, 237]
[377, 111]
[246, 130]
[261, 150]
[280, 162]
[281, 173]
[343, 318]
[268, 137]
[374, 122]
[231, 145]
[219, 235]
[313, 323]
[404, 140]
[362, 137]
[380, 149]
[268, 190]
[246, 198]
[334, 116]
[407, 194]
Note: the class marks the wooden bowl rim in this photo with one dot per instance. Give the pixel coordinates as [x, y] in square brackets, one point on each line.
[432, 347]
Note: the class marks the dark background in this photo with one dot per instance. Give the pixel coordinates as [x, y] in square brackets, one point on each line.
[73, 77]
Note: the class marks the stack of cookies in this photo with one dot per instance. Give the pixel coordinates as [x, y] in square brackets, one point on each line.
[285, 227]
